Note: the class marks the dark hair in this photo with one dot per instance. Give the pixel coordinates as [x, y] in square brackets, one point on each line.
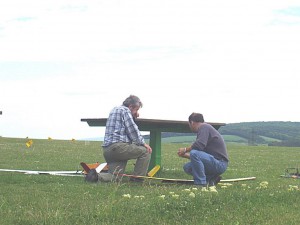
[196, 117]
[133, 100]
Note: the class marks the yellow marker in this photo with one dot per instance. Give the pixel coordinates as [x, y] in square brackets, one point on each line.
[29, 143]
[152, 172]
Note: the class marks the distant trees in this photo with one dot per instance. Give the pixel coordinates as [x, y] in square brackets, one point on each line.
[287, 133]
[258, 133]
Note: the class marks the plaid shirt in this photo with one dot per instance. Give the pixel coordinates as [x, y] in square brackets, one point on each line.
[120, 127]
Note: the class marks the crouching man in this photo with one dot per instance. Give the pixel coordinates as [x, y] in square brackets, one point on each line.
[208, 154]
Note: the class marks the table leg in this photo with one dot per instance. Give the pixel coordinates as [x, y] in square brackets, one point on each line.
[155, 143]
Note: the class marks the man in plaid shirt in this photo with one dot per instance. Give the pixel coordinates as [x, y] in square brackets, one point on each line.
[123, 141]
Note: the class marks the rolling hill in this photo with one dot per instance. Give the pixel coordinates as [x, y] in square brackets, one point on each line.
[273, 133]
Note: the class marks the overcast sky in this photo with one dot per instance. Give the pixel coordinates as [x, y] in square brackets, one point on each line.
[60, 61]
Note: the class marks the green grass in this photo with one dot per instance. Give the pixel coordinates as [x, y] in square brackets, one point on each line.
[45, 199]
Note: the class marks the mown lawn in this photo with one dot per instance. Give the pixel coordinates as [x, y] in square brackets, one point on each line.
[45, 199]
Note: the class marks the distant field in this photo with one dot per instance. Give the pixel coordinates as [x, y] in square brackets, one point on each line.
[179, 139]
[233, 138]
[190, 139]
[45, 199]
[228, 139]
[268, 139]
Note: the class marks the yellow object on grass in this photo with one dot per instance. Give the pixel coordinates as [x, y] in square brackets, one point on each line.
[152, 172]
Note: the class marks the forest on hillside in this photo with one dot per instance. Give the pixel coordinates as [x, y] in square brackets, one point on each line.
[257, 133]
[279, 133]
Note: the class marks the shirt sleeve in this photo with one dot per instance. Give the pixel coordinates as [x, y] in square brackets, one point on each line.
[132, 130]
[202, 139]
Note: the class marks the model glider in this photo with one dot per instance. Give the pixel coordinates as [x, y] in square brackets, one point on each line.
[164, 180]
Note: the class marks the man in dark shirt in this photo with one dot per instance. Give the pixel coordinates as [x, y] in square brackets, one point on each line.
[208, 154]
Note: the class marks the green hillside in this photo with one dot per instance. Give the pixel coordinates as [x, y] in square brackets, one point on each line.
[268, 133]
[249, 133]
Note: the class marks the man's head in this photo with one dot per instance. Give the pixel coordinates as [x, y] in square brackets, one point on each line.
[134, 104]
[195, 120]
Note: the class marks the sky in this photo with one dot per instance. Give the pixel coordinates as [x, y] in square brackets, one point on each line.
[60, 61]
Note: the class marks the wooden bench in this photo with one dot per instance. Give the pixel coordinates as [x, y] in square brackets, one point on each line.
[156, 127]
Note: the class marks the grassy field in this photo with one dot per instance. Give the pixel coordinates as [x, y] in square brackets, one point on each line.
[45, 199]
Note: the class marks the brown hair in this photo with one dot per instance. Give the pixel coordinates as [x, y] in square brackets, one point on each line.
[196, 117]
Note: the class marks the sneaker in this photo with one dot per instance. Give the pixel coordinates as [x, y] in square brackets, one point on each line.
[215, 181]
[92, 176]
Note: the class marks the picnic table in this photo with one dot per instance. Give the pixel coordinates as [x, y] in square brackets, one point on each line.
[156, 127]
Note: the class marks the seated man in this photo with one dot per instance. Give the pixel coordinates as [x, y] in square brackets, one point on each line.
[208, 154]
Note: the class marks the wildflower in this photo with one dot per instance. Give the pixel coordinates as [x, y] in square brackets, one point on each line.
[127, 196]
[162, 197]
[192, 195]
[186, 190]
[175, 196]
[204, 189]
[194, 189]
[213, 189]
[293, 188]
[171, 193]
[263, 184]
[141, 197]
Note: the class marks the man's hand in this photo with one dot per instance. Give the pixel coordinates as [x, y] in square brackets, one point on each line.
[182, 153]
[149, 149]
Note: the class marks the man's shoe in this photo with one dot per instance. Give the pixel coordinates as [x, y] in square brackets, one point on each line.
[92, 176]
[215, 181]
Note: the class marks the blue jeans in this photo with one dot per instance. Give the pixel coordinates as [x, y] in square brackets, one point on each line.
[204, 167]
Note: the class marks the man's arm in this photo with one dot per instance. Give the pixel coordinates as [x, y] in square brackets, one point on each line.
[132, 130]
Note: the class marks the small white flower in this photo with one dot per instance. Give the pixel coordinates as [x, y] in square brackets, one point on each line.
[127, 196]
[162, 196]
[204, 189]
[264, 184]
[192, 195]
[175, 196]
[293, 188]
[213, 189]
[186, 190]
